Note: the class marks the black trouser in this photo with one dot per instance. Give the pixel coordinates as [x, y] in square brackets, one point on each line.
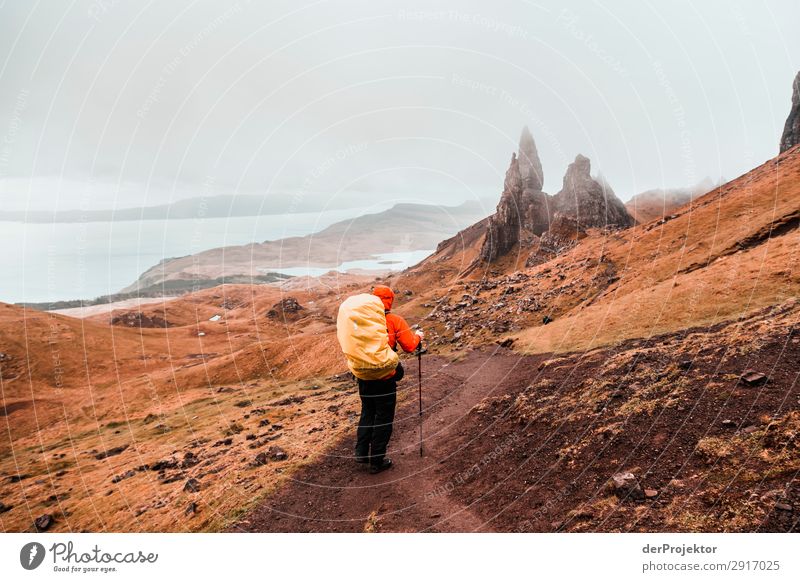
[378, 400]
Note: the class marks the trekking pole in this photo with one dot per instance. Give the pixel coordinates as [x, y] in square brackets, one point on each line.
[419, 383]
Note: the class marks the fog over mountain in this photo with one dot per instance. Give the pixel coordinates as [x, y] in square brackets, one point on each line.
[107, 104]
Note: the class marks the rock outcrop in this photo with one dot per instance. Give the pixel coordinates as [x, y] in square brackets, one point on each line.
[526, 215]
[592, 204]
[523, 210]
[791, 131]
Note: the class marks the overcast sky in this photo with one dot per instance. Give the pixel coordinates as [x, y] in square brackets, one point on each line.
[113, 102]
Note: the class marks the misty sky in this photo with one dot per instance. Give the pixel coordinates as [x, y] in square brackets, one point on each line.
[122, 103]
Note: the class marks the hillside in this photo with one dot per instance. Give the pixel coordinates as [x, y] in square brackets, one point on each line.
[402, 228]
[662, 396]
[168, 418]
[660, 203]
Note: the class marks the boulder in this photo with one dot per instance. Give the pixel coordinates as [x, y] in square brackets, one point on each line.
[753, 378]
[626, 485]
[286, 307]
[277, 453]
[110, 452]
[43, 522]
[192, 486]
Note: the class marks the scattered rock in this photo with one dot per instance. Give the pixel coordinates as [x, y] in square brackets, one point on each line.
[749, 429]
[189, 460]
[125, 475]
[264, 422]
[753, 378]
[287, 307]
[43, 522]
[192, 486]
[4, 507]
[627, 485]
[139, 319]
[651, 493]
[162, 465]
[728, 423]
[261, 459]
[547, 319]
[110, 452]
[17, 478]
[191, 509]
[507, 342]
[784, 507]
[244, 403]
[290, 400]
[277, 453]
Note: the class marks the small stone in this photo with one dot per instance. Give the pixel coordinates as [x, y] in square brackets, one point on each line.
[189, 460]
[753, 378]
[277, 454]
[783, 506]
[727, 422]
[191, 509]
[161, 465]
[626, 485]
[125, 475]
[43, 522]
[651, 493]
[750, 429]
[261, 459]
[110, 452]
[4, 507]
[192, 486]
[547, 319]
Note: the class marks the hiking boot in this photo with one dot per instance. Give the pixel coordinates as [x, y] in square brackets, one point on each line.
[386, 463]
[362, 458]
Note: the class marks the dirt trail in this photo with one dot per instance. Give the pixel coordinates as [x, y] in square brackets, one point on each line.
[335, 494]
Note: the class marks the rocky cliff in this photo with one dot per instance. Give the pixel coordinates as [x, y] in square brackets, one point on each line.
[592, 204]
[791, 131]
[525, 213]
[523, 210]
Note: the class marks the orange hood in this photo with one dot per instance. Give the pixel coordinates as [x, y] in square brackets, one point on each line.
[386, 295]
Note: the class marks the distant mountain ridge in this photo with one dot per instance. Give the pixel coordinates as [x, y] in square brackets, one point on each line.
[657, 203]
[220, 206]
[404, 227]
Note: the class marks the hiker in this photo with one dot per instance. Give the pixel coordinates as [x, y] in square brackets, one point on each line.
[370, 335]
